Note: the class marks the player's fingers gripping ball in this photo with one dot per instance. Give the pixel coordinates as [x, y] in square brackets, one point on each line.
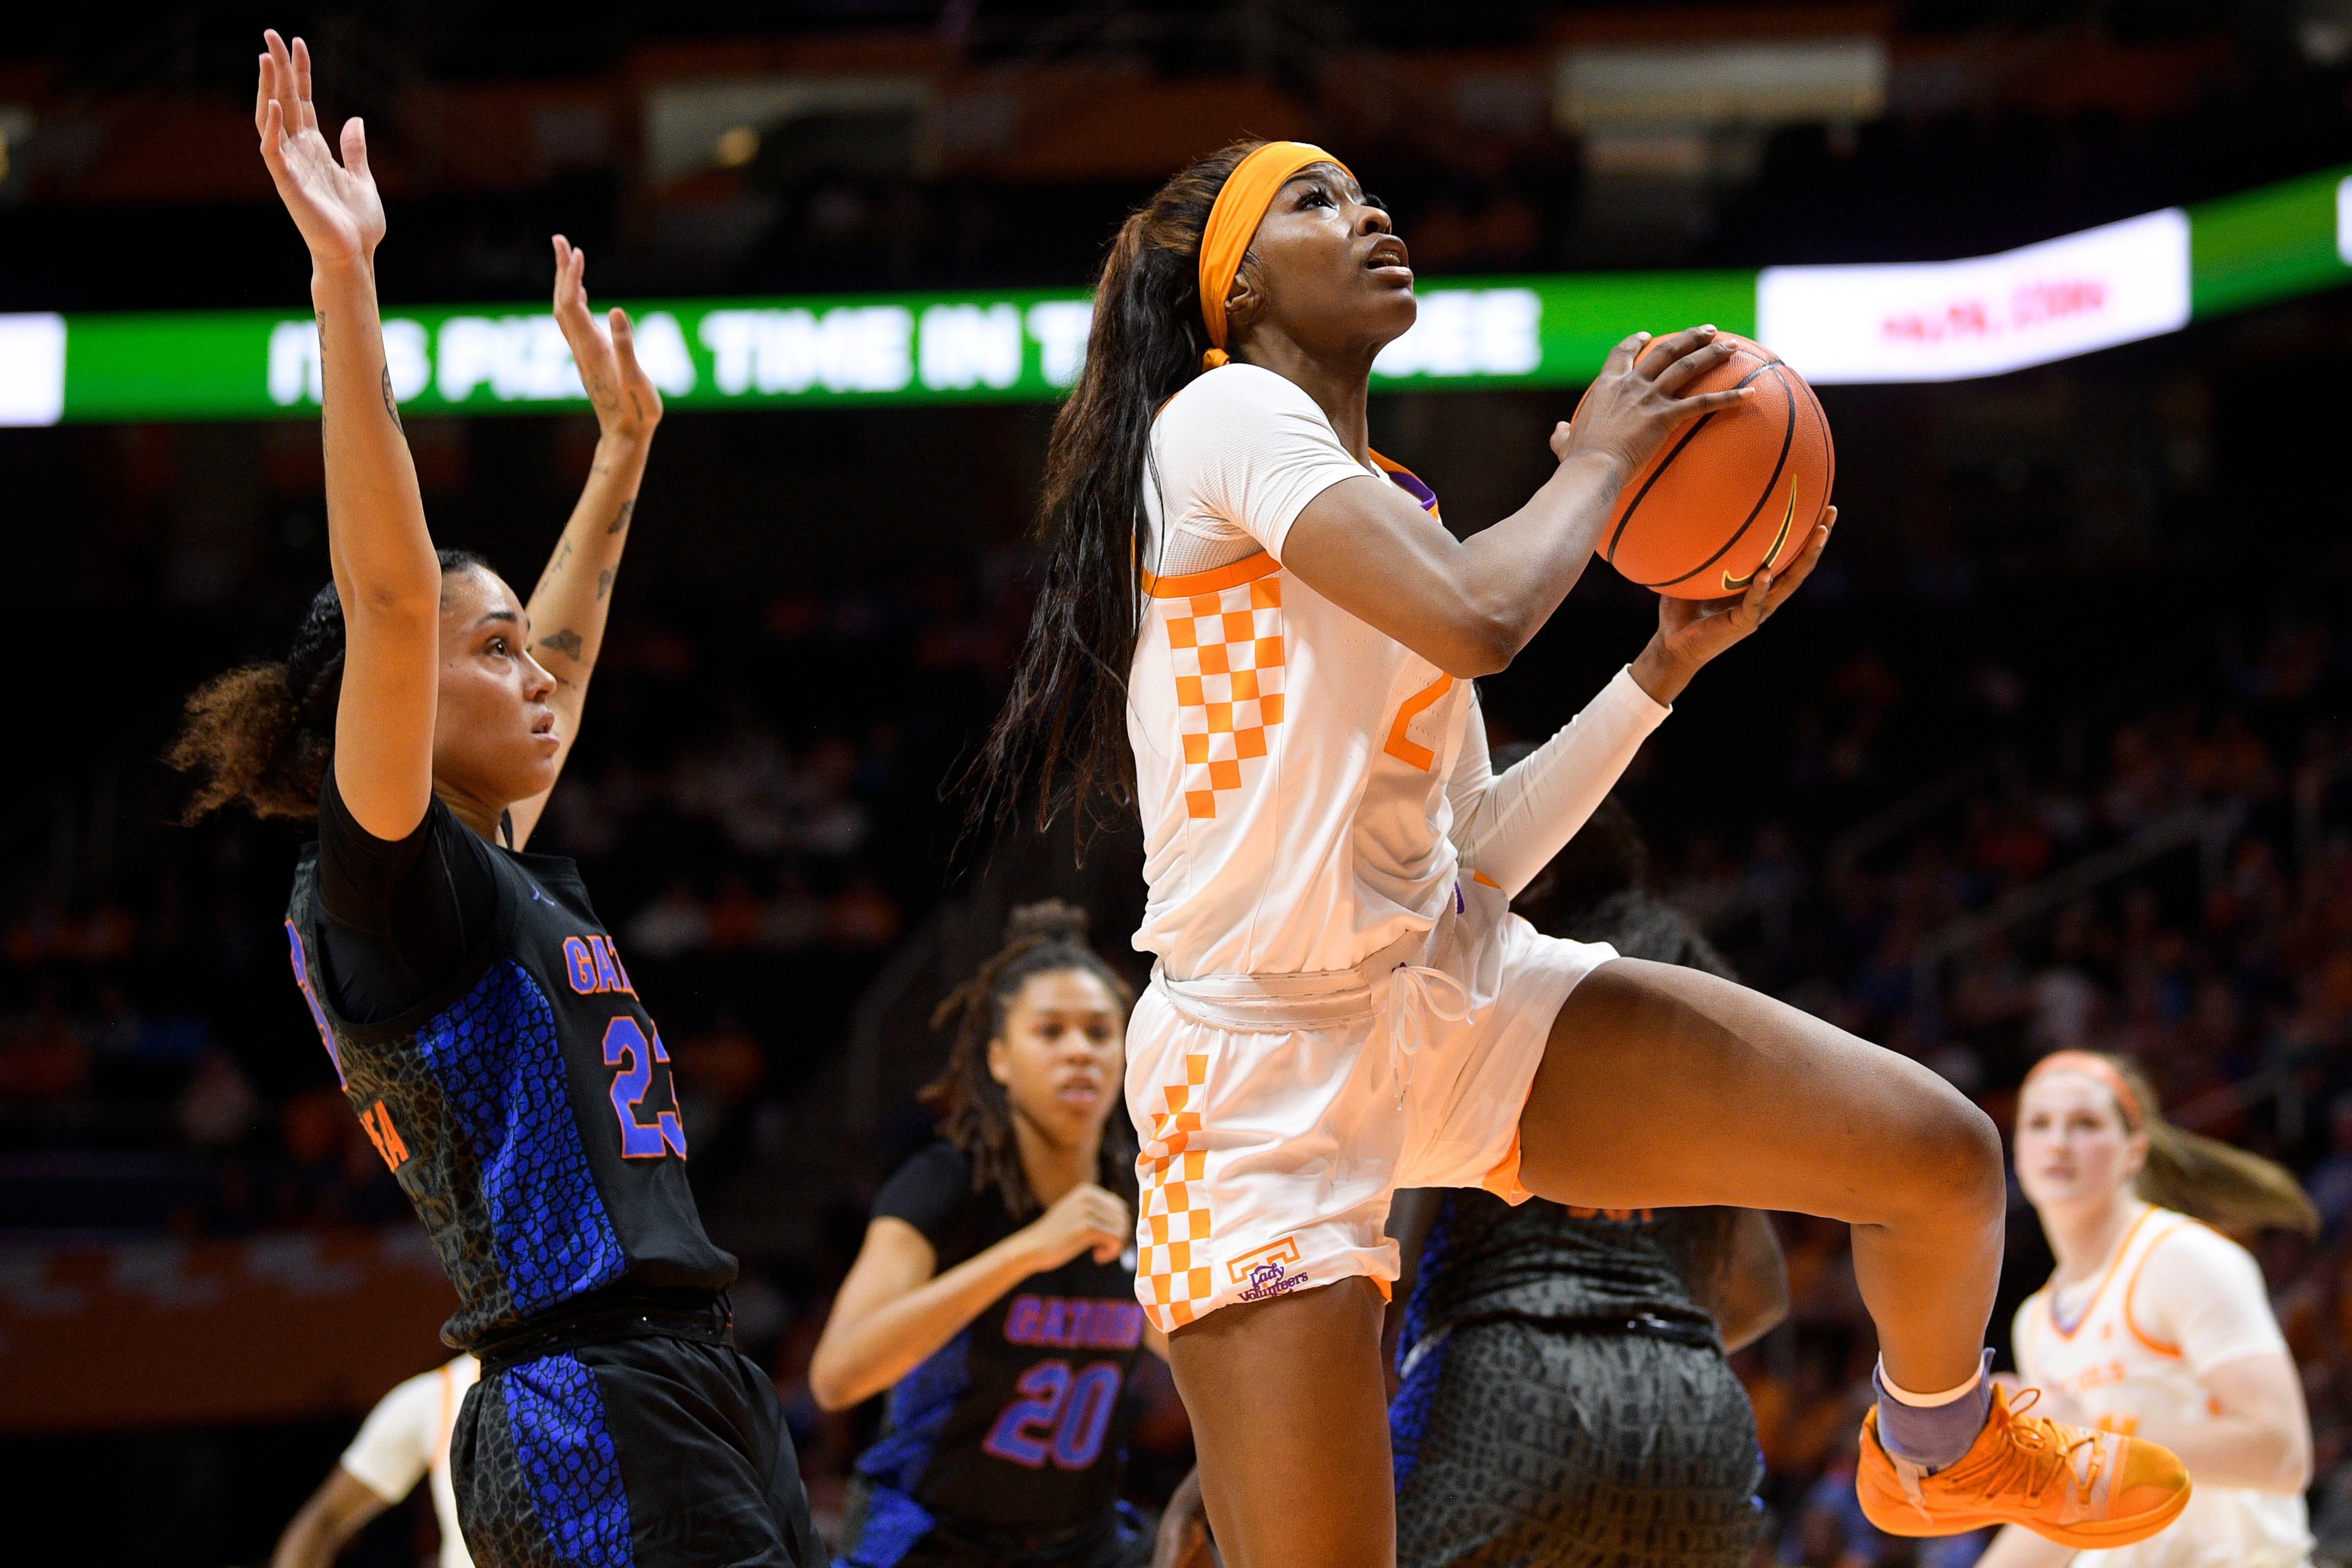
[1734, 492]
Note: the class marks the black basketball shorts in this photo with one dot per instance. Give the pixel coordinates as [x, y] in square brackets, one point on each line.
[634, 1453]
[1522, 1444]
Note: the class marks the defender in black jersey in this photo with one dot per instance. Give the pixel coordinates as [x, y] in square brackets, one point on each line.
[480, 1018]
[1563, 1397]
[1005, 1336]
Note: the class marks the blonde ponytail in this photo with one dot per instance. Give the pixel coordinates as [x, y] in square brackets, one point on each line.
[2228, 1188]
[2225, 1186]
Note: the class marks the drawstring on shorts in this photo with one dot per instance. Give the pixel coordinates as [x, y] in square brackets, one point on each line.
[1418, 998]
[1410, 1006]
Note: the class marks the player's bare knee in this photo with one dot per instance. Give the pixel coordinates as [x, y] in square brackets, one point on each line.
[1951, 1157]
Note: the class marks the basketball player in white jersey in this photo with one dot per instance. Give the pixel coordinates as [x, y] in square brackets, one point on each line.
[1255, 632]
[2156, 1324]
[404, 1438]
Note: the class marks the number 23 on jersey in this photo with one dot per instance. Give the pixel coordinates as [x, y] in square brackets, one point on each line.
[627, 1047]
[594, 966]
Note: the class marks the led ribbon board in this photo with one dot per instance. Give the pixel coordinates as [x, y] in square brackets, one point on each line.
[1016, 346]
[1911, 321]
[1943, 321]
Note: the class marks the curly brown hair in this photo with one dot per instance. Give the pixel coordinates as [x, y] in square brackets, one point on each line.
[264, 734]
[974, 1111]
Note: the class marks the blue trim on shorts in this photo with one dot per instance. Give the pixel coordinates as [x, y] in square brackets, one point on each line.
[557, 1418]
[1409, 1411]
[920, 1403]
[894, 1522]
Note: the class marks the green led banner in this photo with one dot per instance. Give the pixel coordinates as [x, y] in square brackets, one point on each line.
[1015, 346]
[1908, 322]
[2295, 238]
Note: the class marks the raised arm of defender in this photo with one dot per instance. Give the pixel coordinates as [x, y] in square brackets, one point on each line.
[389, 578]
[574, 595]
[385, 571]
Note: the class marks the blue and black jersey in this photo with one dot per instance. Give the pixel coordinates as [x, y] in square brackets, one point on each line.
[491, 1040]
[493, 1045]
[1008, 1444]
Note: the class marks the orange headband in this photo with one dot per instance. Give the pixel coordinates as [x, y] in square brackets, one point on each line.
[2091, 1065]
[1234, 218]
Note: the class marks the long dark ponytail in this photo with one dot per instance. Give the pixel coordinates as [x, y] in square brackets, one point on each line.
[265, 733]
[1061, 741]
[975, 1114]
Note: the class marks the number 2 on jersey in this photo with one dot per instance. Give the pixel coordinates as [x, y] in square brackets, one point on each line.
[627, 1047]
[1060, 1415]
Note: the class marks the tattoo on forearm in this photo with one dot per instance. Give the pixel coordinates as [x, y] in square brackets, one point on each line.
[627, 508]
[554, 566]
[603, 583]
[391, 405]
[566, 642]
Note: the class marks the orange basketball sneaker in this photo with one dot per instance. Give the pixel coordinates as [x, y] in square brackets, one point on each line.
[2076, 1487]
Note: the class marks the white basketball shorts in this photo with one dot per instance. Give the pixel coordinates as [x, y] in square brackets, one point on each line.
[1277, 1113]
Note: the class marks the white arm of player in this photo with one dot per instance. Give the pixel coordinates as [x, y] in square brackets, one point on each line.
[2205, 1295]
[1506, 826]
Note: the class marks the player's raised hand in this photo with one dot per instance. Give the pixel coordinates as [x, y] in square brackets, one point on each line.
[1637, 400]
[1692, 631]
[333, 204]
[628, 403]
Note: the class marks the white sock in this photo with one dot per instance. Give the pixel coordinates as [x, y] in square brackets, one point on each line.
[1902, 1395]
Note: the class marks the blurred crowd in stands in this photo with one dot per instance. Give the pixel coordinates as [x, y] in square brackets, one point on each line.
[914, 145]
[2043, 757]
[2217, 951]
[2171, 879]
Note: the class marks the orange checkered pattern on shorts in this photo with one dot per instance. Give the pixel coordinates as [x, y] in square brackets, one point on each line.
[1174, 1202]
[1226, 645]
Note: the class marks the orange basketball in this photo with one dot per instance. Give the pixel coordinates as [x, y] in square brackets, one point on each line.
[1732, 492]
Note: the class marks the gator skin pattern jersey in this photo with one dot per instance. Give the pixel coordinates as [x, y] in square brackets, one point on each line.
[526, 1110]
[1541, 1260]
[1014, 1431]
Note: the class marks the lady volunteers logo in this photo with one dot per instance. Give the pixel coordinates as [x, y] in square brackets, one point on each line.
[1267, 1271]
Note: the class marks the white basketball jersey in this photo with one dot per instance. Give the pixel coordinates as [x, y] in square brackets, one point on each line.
[2116, 1363]
[1291, 761]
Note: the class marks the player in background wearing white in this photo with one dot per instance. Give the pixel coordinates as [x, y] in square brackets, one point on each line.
[2154, 1322]
[1258, 632]
[404, 1438]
